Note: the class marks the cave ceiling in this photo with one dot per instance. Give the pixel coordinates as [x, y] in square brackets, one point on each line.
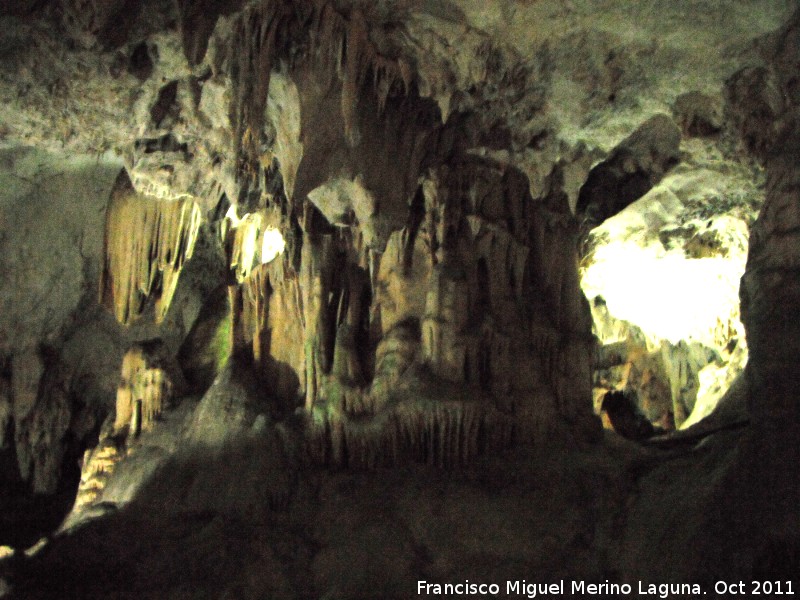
[181, 90]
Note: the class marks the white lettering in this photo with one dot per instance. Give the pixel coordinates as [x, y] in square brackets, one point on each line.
[665, 590]
[600, 589]
[459, 589]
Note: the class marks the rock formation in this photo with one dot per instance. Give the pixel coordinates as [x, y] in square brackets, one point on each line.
[146, 244]
[677, 354]
[305, 288]
[146, 388]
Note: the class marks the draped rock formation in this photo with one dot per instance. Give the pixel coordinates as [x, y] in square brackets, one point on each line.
[147, 243]
[146, 388]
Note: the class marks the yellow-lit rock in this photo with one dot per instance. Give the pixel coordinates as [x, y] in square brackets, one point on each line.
[147, 242]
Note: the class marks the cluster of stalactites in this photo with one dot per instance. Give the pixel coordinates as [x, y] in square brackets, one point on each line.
[264, 29]
[145, 390]
[255, 310]
[358, 57]
[445, 434]
[98, 464]
[266, 299]
[147, 242]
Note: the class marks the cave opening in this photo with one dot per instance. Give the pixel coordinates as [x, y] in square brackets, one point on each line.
[662, 277]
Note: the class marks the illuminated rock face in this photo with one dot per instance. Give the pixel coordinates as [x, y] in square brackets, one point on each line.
[147, 241]
[663, 277]
[147, 387]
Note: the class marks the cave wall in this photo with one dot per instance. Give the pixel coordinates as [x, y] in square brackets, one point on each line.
[61, 351]
[423, 164]
[769, 290]
[59, 359]
[766, 105]
[770, 297]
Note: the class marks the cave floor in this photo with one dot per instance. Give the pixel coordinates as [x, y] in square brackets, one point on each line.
[610, 511]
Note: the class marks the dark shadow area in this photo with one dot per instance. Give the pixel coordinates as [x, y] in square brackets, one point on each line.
[609, 189]
[201, 528]
[165, 104]
[26, 517]
[184, 538]
[203, 352]
[140, 64]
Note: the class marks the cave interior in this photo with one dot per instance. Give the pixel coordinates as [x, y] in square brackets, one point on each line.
[328, 298]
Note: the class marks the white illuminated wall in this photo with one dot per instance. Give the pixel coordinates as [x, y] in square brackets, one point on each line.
[672, 268]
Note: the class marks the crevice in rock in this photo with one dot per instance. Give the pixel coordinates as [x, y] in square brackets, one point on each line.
[140, 64]
[197, 21]
[165, 143]
[165, 104]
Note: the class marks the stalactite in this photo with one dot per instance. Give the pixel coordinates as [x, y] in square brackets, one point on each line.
[242, 243]
[444, 434]
[497, 314]
[361, 58]
[473, 264]
[270, 332]
[145, 390]
[269, 32]
[349, 323]
[256, 294]
[356, 43]
[147, 242]
[319, 270]
[259, 31]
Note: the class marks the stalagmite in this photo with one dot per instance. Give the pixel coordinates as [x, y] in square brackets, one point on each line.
[98, 465]
[147, 242]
